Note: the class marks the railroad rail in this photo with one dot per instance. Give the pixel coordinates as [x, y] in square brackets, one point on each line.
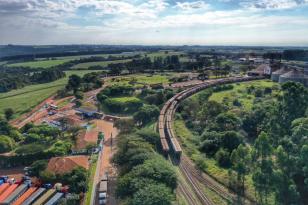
[171, 146]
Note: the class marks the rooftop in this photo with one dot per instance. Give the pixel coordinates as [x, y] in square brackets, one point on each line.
[61, 165]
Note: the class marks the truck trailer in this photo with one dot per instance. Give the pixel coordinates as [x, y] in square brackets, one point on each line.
[34, 196]
[16, 193]
[25, 196]
[8, 192]
[3, 187]
[45, 197]
[55, 199]
[102, 192]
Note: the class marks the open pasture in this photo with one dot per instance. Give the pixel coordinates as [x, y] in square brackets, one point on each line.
[239, 92]
[83, 66]
[40, 63]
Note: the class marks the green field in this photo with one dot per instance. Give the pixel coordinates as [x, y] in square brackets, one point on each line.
[22, 100]
[141, 79]
[100, 55]
[47, 63]
[98, 63]
[238, 92]
[40, 63]
[125, 99]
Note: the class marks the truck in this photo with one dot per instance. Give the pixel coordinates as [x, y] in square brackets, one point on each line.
[3, 187]
[43, 199]
[10, 189]
[15, 194]
[34, 196]
[25, 196]
[102, 190]
[55, 199]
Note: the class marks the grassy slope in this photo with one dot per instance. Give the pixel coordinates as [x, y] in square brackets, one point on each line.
[22, 100]
[238, 93]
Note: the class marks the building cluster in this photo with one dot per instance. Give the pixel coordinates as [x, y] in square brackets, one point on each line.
[294, 74]
[282, 74]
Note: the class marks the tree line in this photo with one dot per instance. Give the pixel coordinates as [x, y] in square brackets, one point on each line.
[10, 80]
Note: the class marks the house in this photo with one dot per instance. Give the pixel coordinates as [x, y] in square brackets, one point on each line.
[61, 165]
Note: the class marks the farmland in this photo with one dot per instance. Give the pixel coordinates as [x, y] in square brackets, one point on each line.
[40, 63]
[22, 100]
[47, 63]
[82, 66]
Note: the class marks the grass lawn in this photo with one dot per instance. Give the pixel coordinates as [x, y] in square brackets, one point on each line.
[125, 99]
[238, 92]
[91, 179]
[98, 63]
[140, 79]
[40, 63]
[22, 100]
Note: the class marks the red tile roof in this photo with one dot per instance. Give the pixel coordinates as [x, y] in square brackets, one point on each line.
[62, 165]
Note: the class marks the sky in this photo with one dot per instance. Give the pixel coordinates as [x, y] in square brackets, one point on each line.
[155, 22]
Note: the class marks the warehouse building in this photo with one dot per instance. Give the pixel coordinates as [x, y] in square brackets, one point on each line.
[276, 75]
[295, 75]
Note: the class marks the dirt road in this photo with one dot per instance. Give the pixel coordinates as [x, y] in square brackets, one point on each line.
[104, 165]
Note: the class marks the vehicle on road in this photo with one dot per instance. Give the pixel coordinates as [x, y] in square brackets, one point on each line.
[102, 191]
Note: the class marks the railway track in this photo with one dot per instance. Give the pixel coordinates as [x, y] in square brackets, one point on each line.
[170, 145]
[195, 185]
[210, 183]
[187, 195]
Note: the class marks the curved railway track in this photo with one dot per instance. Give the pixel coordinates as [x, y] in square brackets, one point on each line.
[171, 146]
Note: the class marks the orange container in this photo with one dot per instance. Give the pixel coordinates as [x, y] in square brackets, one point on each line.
[7, 192]
[3, 187]
[26, 195]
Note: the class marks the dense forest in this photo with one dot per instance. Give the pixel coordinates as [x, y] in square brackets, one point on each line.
[145, 177]
[266, 143]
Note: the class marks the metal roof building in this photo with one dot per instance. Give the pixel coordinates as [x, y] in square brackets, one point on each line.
[294, 75]
[275, 75]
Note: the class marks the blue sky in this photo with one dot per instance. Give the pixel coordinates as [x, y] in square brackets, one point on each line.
[152, 22]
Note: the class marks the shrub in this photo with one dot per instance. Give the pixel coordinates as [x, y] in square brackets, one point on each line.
[223, 158]
[6, 144]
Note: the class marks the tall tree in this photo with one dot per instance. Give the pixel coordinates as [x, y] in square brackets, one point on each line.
[263, 172]
[241, 161]
[285, 187]
[9, 112]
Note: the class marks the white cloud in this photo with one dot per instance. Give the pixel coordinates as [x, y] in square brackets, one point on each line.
[130, 21]
[273, 4]
[189, 6]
